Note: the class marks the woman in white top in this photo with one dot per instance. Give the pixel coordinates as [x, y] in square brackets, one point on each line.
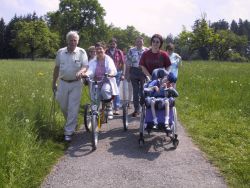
[99, 66]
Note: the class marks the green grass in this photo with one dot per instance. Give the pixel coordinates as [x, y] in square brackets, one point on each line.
[30, 143]
[214, 106]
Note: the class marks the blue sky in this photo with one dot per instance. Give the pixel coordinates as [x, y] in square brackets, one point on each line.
[147, 16]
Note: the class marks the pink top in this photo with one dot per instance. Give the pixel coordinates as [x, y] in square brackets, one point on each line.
[100, 70]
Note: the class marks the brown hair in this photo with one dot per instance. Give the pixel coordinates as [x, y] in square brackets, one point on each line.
[157, 36]
[100, 44]
[170, 47]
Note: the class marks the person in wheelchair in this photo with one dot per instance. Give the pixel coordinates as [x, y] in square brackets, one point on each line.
[159, 92]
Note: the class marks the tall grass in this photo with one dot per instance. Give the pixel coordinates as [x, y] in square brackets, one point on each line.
[29, 142]
[214, 106]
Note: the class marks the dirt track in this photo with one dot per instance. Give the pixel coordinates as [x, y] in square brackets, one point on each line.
[119, 162]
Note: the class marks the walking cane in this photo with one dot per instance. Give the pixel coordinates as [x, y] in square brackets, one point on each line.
[52, 110]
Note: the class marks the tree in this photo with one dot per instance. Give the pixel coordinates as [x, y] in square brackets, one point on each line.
[184, 44]
[220, 25]
[9, 50]
[85, 16]
[34, 38]
[202, 38]
[234, 27]
[2, 38]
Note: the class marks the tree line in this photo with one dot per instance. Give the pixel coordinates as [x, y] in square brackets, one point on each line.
[31, 36]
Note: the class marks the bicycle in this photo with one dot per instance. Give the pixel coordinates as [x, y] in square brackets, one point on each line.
[125, 107]
[93, 119]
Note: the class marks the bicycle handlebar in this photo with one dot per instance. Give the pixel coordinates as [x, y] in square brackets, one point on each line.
[106, 75]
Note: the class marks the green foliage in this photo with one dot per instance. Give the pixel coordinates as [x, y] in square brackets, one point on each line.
[236, 57]
[30, 141]
[85, 16]
[214, 107]
[34, 38]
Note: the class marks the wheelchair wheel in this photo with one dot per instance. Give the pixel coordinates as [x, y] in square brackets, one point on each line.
[175, 118]
[87, 117]
[125, 116]
[94, 131]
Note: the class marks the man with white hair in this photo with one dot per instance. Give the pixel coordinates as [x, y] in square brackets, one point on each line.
[71, 61]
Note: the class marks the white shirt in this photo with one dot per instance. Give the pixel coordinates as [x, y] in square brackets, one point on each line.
[109, 66]
[70, 63]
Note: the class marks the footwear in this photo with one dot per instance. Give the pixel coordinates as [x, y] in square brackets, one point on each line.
[67, 138]
[110, 113]
[116, 112]
[110, 117]
[167, 127]
[135, 114]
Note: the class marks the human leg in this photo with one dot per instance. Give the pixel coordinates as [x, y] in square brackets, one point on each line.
[74, 98]
[152, 104]
[106, 94]
[117, 101]
[62, 97]
[136, 90]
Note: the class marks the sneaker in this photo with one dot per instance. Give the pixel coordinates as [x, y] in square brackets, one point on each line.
[167, 127]
[67, 138]
[135, 114]
[116, 112]
[110, 113]
[110, 117]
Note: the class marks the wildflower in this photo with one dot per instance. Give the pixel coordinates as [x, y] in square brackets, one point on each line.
[239, 110]
[33, 95]
[186, 98]
[40, 74]
[232, 81]
[27, 120]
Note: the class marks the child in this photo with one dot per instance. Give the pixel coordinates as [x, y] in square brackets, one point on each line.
[160, 91]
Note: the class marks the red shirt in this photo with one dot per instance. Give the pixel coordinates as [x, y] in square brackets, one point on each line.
[153, 61]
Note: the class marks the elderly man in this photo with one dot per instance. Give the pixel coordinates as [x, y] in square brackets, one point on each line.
[71, 61]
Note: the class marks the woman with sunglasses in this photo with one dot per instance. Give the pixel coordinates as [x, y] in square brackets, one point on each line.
[154, 58]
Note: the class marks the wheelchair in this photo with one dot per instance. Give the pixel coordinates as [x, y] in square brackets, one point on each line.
[146, 121]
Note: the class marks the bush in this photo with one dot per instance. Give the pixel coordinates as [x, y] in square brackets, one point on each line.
[236, 57]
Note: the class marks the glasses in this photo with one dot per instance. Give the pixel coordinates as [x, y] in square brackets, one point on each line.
[156, 41]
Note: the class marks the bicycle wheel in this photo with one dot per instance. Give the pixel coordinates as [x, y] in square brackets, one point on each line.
[87, 117]
[125, 116]
[94, 131]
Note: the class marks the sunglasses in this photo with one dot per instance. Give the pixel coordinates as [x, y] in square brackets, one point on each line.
[156, 41]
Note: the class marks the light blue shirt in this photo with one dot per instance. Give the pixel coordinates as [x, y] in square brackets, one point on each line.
[175, 63]
[134, 56]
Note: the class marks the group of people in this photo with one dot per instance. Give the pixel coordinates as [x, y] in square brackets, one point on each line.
[74, 63]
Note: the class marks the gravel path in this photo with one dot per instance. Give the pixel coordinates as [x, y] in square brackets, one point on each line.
[119, 162]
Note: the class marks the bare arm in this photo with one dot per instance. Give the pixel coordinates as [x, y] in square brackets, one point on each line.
[145, 71]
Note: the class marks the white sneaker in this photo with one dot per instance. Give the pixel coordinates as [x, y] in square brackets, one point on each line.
[110, 113]
[110, 117]
[167, 127]
[67, 138]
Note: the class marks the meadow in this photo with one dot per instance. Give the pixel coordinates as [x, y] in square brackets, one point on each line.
[213, 106]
